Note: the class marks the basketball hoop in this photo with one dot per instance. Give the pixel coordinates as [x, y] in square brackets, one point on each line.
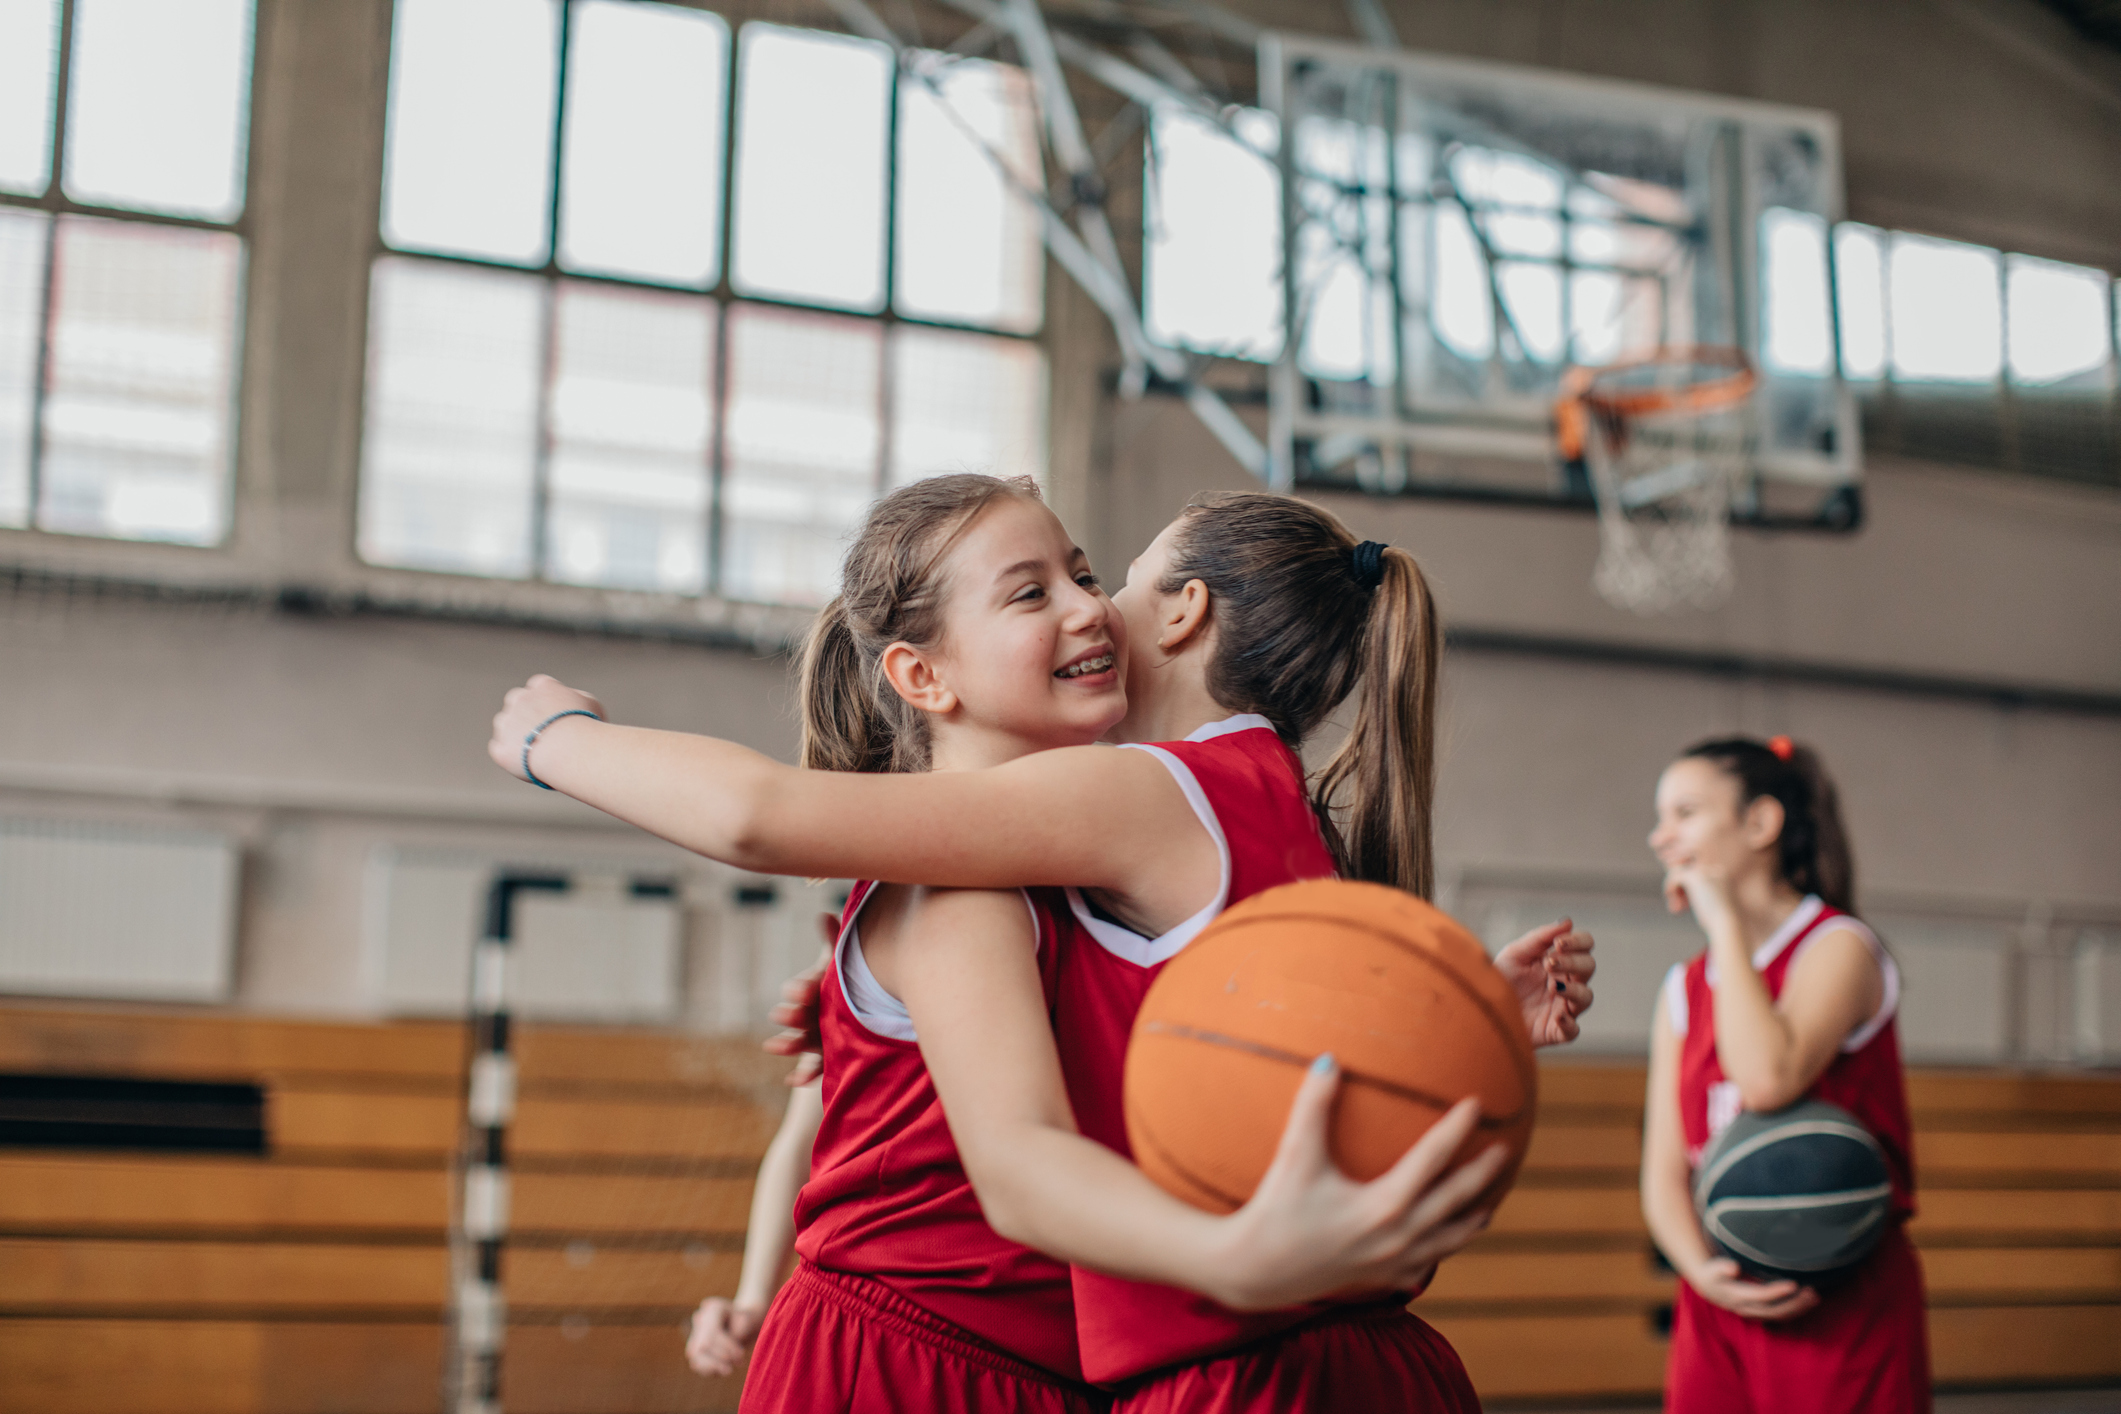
[1664, 441]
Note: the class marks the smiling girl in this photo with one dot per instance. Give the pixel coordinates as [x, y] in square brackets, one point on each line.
[1240, 629]
[1794, 998]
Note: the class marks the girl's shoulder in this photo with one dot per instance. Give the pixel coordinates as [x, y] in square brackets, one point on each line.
[1839, 932]
[1837, 920]
[1844, 943]
[1242, 752]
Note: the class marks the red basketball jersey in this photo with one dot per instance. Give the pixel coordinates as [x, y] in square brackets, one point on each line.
[1247, 787]
[887, 1197]
[1865, 1078]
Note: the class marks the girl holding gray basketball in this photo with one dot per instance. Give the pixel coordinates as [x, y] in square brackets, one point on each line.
[1793, 1000]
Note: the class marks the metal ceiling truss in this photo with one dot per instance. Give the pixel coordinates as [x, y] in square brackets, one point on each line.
[1086, 247]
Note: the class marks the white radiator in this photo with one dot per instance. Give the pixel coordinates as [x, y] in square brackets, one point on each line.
[1956, 989]
[2097, 998]
[594, 953]
[117, 911]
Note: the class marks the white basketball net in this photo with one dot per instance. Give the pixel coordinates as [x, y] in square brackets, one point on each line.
[1664, 482]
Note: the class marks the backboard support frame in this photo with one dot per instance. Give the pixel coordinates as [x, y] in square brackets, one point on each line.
[1741, 157]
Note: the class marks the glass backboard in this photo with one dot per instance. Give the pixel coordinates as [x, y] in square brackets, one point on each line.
[1460, 233]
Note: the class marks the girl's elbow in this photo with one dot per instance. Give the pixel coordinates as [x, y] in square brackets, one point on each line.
[747, 833]
[1661, 1186]
[1006, 1209]
[1010, 1221]
[1766, 1094]
[1011, 1230]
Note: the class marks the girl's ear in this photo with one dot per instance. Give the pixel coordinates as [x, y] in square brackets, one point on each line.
[914, 678]
[1184, 616]
[1762, 822]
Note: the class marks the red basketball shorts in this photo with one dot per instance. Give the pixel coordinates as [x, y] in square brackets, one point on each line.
[1369, 1358]
[1862, 1350]
[834, 1343]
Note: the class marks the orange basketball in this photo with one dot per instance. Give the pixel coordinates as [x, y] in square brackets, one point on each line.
[1403, 997]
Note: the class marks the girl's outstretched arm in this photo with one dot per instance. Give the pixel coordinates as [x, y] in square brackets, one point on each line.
[1088, 816]
[724, 1327]
[972, 988]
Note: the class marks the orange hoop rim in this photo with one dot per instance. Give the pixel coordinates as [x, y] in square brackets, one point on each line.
[1580, 394]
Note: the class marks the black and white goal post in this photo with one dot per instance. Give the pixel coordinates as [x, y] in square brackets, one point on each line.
[479, 1222]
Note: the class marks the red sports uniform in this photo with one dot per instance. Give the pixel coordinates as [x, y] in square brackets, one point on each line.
[1164, 1348]
[905, 1299]
[1865, 1346]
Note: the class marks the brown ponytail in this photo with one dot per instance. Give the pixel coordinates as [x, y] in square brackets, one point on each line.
[1300, 625]
[843, 730]
[1388, 762]
[1813, 851]
[891, 591]
[1832, 870]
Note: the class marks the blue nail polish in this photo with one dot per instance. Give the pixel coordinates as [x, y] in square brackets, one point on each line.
[1323, 1065]
[1560, 986]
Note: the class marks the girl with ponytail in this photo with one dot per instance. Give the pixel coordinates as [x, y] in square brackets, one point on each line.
[1305, 617]
[1240, 629]
[1794, 998]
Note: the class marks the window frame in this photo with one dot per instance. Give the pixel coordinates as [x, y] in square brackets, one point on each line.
[56, 204]
[724, 294]
[2006, 406]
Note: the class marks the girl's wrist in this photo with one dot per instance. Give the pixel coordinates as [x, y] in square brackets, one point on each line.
[1230, 1252]
[1694, 1271]
[539, 738]
[1724, 934]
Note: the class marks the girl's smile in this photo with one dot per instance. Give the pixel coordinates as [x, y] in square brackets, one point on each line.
[1097, 667]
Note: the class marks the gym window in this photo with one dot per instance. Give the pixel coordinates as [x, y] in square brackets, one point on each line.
[123, 138]
[661, 307]
[1961, 353]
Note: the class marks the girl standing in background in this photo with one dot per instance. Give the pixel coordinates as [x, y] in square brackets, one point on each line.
[1794, 998]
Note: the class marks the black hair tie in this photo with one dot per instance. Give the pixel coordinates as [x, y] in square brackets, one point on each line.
[1367, 561]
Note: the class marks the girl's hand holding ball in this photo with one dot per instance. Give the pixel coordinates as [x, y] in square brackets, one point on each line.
[1721, 1282]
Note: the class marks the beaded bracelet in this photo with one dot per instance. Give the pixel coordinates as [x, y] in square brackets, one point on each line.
[538, 730]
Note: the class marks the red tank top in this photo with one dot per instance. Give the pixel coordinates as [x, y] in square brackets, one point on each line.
[1864, 1078]
[1248, 790]
[887, 1197]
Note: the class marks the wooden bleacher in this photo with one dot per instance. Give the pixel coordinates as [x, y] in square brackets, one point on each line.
[314, 1278]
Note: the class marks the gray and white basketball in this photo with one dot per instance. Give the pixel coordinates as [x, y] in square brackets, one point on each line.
[1801, 1193]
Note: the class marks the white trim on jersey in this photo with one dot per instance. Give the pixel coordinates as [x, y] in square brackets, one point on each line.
[1675, 998]
[1888, 971]
[1124, 942]
[880, 1013]
[1242, 722]
[1801, 918]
